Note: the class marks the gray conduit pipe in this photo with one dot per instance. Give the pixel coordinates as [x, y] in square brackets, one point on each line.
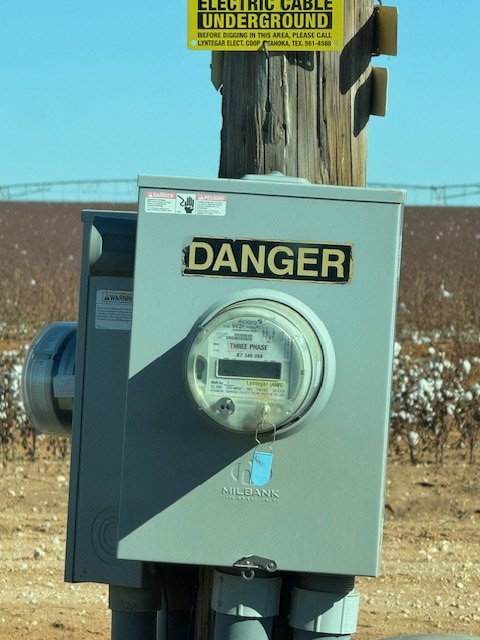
[175, 619]
[134, 612]
[245, 608]
[134, 625]
[323, 607]
[173, 625]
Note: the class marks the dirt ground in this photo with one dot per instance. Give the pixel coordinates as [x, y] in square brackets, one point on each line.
[431, 558]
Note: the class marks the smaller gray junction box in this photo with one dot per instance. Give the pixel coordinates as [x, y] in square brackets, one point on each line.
[103, 337]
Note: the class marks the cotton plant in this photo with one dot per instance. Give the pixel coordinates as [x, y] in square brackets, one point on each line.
[14, 425]
[469, 413]
[431, 396]
[17, 434]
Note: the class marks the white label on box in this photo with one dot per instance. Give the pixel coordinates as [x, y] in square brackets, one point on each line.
[63, 386]
[114, 310]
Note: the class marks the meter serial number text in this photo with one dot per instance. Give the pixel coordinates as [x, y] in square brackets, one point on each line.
[239, 354]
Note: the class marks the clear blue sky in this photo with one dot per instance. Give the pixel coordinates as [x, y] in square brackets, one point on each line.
[108, 89]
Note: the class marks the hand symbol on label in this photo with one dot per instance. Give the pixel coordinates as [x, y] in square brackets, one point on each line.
[187, 203]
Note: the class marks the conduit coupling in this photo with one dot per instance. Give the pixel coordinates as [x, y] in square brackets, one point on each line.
[245, 608]
[323, 606]
[233, 595]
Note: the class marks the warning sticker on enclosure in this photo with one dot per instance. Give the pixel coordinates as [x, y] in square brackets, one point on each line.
[278, 25]
[114, 310]
[195, 204]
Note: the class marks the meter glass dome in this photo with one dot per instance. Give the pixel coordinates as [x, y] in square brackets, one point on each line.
[255, 365]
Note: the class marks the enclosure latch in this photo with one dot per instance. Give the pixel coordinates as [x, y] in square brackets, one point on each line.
[249, 564]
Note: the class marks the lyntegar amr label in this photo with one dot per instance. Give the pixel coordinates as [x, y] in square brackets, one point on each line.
[269, 260]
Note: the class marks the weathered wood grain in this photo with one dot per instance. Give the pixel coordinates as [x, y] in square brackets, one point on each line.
[301, 113]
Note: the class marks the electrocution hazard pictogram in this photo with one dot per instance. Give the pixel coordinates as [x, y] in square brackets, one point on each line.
[196, 204]
[279, 25]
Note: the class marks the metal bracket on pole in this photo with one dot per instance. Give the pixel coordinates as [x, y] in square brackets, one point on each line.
[386, 30]
[216, 69]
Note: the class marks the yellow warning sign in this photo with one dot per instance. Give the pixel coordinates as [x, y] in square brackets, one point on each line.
[280, 25]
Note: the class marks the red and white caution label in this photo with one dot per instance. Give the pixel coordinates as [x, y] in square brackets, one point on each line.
[194, 204]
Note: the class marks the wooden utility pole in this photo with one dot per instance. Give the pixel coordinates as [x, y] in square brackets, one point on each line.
[303, 114]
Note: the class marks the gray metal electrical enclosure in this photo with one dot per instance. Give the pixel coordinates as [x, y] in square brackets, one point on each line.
[259, 377]
[103, 337]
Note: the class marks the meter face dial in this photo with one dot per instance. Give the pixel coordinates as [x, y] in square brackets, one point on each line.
[256, 365]
[249, 354]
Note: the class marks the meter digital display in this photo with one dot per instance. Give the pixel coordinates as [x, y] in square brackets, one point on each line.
[255, 365]
[245, 369]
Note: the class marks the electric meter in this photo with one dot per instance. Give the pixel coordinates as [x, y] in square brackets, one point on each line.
[48, 379]
[259, 364]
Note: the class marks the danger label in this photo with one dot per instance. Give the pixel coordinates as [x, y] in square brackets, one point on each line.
[194, 204]
[282, 25]
[269, 259]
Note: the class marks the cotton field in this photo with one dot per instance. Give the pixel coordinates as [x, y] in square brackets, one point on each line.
[435, 404]
[436, 377]
[435, 407]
